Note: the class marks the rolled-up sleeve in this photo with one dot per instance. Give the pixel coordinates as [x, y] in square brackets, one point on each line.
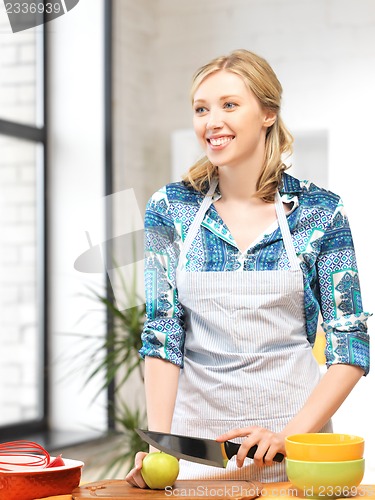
[348, 341]
[163, 333]
[344, 321]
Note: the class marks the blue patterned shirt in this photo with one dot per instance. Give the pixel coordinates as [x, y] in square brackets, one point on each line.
[323, 243]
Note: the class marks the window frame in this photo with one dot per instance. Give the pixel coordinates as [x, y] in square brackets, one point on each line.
[37, 135]
[40, 429]
[109, 181]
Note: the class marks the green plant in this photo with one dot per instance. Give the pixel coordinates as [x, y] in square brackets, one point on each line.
[122, 454]
[119, 351]
[115, 360]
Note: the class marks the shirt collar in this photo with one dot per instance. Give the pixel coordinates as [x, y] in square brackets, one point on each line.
[290, 185]
[289, 192]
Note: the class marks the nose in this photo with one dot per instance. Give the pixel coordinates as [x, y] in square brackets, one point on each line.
[214, 120]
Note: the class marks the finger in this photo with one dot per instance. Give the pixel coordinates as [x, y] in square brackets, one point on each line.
[234, 433]
[260, 454]
[130, 477]
[137, 483]
[241, 455]
[270, 455]
[131, 482]
[247, 444]
[135, 478]
[140, 481]
[138, 460]
[244, 450]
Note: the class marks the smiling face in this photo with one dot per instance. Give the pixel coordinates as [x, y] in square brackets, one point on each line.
[229, 121]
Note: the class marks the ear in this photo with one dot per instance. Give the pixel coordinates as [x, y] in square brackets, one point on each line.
[269, 118]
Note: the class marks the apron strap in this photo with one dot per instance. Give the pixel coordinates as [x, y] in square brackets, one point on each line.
[207, 200]
[285, 231]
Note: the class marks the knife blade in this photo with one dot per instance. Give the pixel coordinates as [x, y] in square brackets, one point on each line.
[200, 450]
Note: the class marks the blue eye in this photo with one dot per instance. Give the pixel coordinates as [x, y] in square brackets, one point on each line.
[200, 110]
[230, 105]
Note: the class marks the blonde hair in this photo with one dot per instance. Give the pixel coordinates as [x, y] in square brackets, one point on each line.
[263, 82]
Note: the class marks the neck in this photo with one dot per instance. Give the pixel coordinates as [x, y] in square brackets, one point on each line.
[238, 182]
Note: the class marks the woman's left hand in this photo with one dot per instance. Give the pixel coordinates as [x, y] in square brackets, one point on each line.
[269, 443]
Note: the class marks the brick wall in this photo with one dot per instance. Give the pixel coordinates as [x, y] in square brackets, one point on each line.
[18, 308]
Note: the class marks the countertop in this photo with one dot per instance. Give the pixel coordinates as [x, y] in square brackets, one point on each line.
[239, 490]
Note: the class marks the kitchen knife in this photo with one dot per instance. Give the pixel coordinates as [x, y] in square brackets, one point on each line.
[200, 450]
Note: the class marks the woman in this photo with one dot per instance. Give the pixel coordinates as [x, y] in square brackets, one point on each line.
[240, 259]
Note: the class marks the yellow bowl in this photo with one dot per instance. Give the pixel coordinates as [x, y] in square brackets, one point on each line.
[324, 447]
[326, 479]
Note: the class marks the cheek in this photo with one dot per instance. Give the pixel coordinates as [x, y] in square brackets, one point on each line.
[199, 129]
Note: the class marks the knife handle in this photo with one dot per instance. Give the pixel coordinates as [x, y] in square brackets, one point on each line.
[231, 449]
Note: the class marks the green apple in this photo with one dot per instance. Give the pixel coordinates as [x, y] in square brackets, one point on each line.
[159, 470]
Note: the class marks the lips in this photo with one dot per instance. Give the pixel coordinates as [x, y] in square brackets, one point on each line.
[220, 140]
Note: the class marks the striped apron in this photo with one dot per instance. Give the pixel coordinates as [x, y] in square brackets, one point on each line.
[247, 359]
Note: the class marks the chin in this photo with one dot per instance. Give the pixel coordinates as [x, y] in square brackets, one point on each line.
[218, 162]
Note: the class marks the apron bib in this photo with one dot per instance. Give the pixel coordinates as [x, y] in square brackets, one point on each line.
[247, 359]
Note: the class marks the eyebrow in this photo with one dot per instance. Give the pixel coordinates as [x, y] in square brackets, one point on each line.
[223, 98]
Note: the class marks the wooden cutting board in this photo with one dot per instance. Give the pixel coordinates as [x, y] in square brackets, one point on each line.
[117, 489]
[120, 490]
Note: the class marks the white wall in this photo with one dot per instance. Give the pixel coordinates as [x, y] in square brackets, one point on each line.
[324, 54]
[134, 111]
[75, 196]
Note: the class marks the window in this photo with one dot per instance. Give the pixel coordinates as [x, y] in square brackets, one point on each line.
[22, 229]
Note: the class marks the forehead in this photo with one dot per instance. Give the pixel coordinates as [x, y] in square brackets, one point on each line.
[221, 83]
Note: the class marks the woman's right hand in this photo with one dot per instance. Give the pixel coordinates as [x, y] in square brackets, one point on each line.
[134, 477]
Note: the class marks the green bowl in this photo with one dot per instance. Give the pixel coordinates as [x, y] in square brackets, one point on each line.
[326, 479]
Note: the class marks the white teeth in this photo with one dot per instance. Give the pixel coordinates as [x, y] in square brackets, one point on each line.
[219, 141]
